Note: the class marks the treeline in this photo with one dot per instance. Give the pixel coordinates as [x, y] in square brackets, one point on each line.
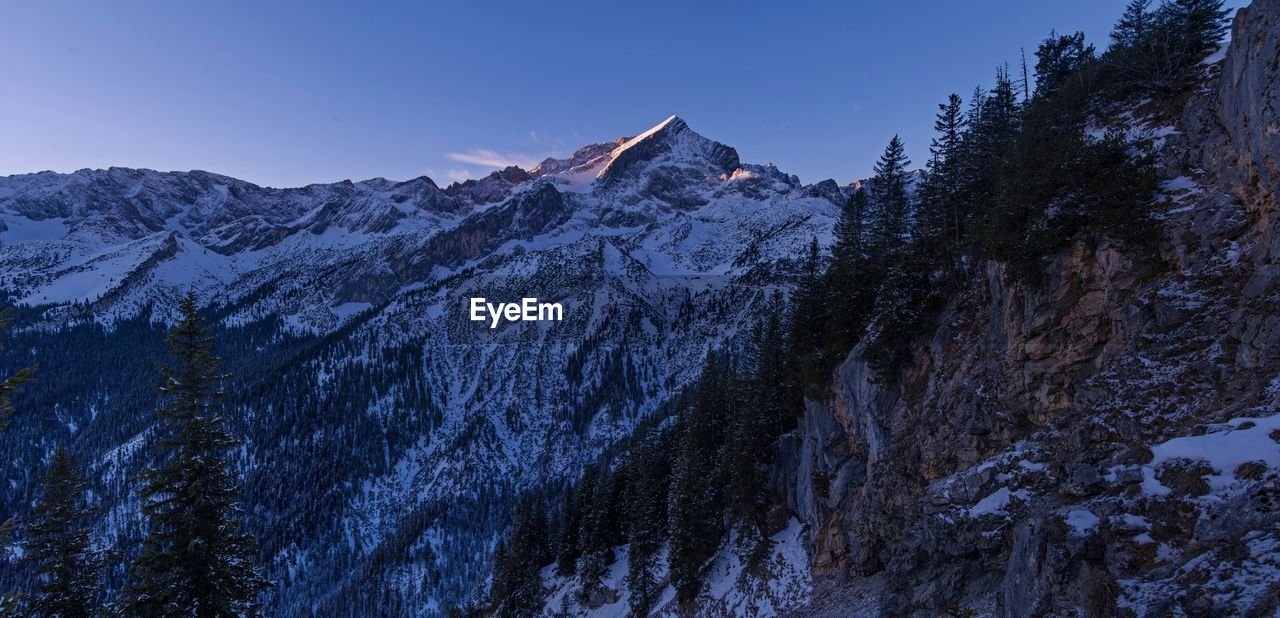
[1014, 175]
[194, 560]
[681, 486]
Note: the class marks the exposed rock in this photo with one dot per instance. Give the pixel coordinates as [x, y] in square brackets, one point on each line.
[1010, 468]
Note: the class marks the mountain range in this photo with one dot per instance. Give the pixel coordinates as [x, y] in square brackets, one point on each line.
[660, 247]
[1061, 398]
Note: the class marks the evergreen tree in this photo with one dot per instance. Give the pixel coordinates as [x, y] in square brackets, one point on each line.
[974, 172]
[695, 502]
[58, 546]
[772, 392]
[517, 581]
[899, 317]
[1058, 59]
[1202, 24]
[566, 546]
[646, 521]
[760, 419]
[598, 535]
[850, 283]
[944, 210]
[576, 527]
[807, 318]
[901, 258]
[990, 138]
[195, 560]
[1159, 52]
[888, 227]
[898, 255]
[1001, 114]
[1134, 24]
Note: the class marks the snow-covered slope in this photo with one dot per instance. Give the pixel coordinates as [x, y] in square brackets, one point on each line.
[779, 582]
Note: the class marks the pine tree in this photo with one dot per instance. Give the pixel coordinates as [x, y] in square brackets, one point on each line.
[646, 521]
[566, 545]
[1159, 52]
[752, 430]
[695, 501]
[1133, 25]
[517, 581]
[899, 316]
[58, 545]
[597, 537]
[945, 212]
[850, 284]
[1026, 80]
[807, 318]
[773, 392]
[898, 252]
[990, 140]
[888, 225]
[195, 560]
[1202, 24]
[1059, 58]
[1001, 112]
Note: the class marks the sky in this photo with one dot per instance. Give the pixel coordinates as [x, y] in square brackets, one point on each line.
[286, 94]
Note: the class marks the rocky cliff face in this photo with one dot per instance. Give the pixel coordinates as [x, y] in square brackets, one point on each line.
[1104, 442]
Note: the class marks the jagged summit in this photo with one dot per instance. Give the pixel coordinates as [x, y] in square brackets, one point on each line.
[671, 143]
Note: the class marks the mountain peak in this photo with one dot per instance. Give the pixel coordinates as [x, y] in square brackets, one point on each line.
[670, 142]
[667, 129]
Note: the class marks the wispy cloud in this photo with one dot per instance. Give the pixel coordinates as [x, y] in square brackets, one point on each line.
[489, 158]
[458, 175]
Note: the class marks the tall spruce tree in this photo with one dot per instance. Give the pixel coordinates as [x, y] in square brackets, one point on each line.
[750, 433]
[807, 318]
[1201, 24]
[565, 544]
[899, 315]
[944, 210]
[195, 561]
[888, 226]
[597, 536]
[991, 137]
[646, 521]
[850, 284]
[58, 546]
[695, 503]
[898, 254]
[1134, 24]
[517, 583]
[1159, 52]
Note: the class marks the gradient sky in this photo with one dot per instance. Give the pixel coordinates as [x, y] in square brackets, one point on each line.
[288, 94]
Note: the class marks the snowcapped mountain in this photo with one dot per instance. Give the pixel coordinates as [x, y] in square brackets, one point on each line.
[387, 431]
[114, 240]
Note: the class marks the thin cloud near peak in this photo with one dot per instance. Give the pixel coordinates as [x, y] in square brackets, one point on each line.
[489, 158]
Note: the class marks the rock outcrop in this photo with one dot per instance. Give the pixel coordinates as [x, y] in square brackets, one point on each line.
[1101, 443]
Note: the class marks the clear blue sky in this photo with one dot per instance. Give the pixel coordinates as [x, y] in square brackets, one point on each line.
[288, 94]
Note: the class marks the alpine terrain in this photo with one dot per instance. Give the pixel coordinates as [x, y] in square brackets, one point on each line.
[1037, 374]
